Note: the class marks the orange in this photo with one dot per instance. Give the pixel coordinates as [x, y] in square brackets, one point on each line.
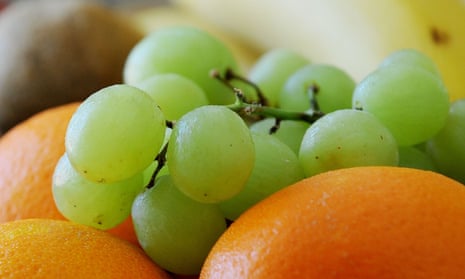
[364, 222]
[46, 248]
[28, 155]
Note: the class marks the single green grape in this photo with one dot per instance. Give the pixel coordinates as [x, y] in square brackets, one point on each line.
[410, 56]
[290, 132]
[175, 231]
[276, 166]
[102, 206]
[412, 157]
[186, 51]
[410, 101]
[333, 89]
[175, 94]
[273, 68]
[114, 134]
[210, 153]
[447, 147]
[347, 138]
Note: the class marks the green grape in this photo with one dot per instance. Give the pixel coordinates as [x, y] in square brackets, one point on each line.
[114, 134]
[347, 138]
[333, 87]
[276, 166]
[409, 100]
[412, 157]
[175, 231]
[186, 51]
[102, 206]
[447, 147]
[272, 70]
[410, 57]
[290, 132]
[174, 94]
[210, 153]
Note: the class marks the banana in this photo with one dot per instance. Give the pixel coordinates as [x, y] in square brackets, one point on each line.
[150, 19]
[353, 35]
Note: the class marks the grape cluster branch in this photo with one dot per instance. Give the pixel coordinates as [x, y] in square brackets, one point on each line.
[251, 110]
[261, 108]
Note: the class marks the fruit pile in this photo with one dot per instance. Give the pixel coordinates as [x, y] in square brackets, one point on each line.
[189, 143]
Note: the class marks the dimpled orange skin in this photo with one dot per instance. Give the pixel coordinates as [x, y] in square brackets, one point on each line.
[28, 155]
[46, 248]
[365, 222]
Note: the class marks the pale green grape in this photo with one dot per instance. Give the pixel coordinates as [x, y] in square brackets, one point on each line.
[413, 157]
[334, 89]
[272, 70]
[210, 153]
[174, 94]
[276, 166]
[410, 101]
[174, 230]
[290, 132]
[347, 138]
[102, 206]
[411, 57]
[114, 134]
[187, 51]
[447, 148]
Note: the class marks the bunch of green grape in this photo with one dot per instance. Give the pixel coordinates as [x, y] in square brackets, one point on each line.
[183, 149]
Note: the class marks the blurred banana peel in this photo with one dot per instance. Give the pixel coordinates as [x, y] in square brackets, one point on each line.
[354, 35]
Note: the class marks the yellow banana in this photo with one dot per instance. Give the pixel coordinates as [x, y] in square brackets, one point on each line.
[354, 35]
[150, 19]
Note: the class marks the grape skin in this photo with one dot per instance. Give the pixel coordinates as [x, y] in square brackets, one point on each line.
[411, 101]
[276, 166]
[186, 51]
[346, 138]
[210, 154]
[333, 89]
[102, 206]
[174, 230]
[272, 70]
[114, 134]
[447, 147]
[176, 95]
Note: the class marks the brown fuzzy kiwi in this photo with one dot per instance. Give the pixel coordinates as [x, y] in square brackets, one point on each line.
[55, 51]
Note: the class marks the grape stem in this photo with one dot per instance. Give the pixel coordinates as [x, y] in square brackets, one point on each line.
[261, 109]
[161, 161]
[230, 75]
[312, 91]
[250, 109]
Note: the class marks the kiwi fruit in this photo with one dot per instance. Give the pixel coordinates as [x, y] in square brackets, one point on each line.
[54, 52]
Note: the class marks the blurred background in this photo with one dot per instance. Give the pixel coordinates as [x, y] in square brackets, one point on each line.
[54, 52]
[119, 3]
